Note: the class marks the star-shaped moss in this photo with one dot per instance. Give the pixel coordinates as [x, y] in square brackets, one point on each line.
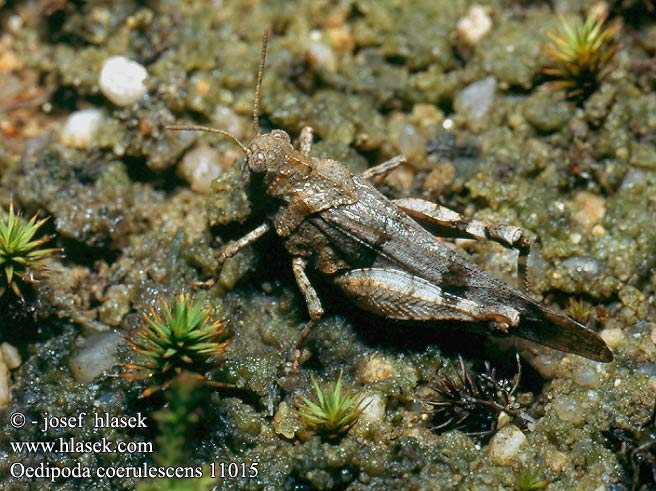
[179, 338]
[335, 409]
[580, 54]
[22, 257]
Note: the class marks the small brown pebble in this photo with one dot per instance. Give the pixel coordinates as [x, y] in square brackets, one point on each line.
[401, 178]
[438, 181]
[11, 355]
[588, 209]
[426, 115]
[203, 87]
[374, 369]
[341, 40]
[5, 393]
[506, 445]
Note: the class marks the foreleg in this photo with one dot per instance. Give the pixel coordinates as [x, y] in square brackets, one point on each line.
[232, 248]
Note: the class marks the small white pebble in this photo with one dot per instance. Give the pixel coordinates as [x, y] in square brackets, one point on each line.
[475, 100]
[546, 364]
[556, 460]
[598, 231]
[374, 409]
[586, 375]
[320, 53]
[474, 26]
[80, 128]
[503, 419]
[568, 409]
[588, 209]
[506, 444]
[227, 119]
[613, 336]
[122, 80]
[374, 369]
[15, 23]
[118, 149]
[11, 355]
[199, 167]
[412, 144]
[95, 355]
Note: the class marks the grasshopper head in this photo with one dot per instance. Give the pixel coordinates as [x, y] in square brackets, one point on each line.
[267, 152]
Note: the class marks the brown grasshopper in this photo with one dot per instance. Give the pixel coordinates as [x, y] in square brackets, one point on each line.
[378, 251]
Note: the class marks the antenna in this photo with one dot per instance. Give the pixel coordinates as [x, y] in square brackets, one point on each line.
[256, 104]
[260, 74]
[209, 130]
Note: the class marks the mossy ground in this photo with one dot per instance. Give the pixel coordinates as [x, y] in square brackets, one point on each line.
[373, 79]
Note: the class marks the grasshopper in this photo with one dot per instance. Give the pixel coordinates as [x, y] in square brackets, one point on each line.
[383, 253]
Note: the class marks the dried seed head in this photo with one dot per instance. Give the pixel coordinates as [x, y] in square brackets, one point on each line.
[472, 402]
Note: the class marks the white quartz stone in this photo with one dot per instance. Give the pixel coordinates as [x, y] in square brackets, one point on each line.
[122, 80]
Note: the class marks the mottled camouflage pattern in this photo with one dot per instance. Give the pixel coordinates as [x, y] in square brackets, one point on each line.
[388, 263]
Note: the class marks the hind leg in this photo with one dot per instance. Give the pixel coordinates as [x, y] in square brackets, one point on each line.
[448, 223]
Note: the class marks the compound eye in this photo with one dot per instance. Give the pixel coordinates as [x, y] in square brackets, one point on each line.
[280, 135]
[256, 160]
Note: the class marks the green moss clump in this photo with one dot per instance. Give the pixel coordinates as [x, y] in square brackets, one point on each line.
[512, 51]
[228, 201]
[545, 114]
